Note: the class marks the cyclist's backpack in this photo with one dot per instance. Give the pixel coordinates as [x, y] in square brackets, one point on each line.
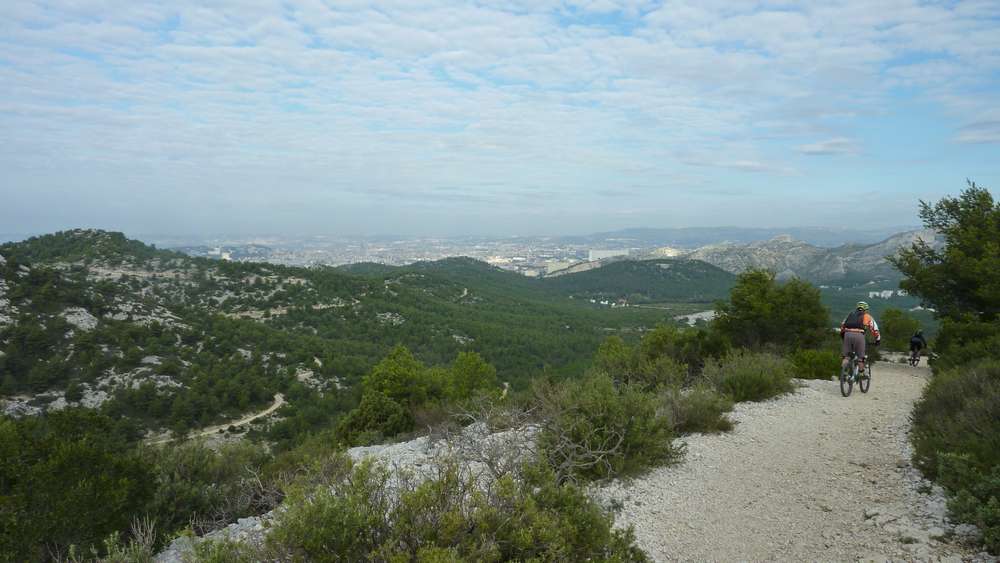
[855, 320]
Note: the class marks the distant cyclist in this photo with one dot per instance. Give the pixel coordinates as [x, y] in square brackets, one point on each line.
[917, 343]
[852, 331]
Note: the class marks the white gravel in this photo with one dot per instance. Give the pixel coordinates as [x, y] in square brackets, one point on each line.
[808, 476]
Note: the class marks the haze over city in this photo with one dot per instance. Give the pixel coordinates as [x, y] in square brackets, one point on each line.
[444, 118]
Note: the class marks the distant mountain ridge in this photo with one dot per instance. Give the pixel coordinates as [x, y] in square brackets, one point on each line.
[788, 257]
[694, 237]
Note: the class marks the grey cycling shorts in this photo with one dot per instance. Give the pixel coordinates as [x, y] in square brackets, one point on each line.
[853, 342]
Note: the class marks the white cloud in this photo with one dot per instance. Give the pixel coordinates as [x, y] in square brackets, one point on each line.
[839, 145]
[570, 96]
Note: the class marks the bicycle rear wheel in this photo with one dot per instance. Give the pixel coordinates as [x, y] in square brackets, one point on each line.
[846, 381]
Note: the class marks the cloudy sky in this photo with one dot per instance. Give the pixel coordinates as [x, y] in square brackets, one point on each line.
[522, 117]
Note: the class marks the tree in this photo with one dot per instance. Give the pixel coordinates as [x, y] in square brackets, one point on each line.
[760, 311]
[470, 373]
[960, 279]
[400, 377]
[897, 327]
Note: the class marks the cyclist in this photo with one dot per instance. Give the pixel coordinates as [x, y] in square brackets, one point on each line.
[917, 343]
[852, 331]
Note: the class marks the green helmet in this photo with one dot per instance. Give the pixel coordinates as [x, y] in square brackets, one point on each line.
[862, 305]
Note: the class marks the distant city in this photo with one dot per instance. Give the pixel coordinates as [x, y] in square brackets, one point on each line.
[528, 256]
[531, 256]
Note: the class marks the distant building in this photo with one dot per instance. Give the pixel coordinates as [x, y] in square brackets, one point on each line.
[601, 254]
[885, 294]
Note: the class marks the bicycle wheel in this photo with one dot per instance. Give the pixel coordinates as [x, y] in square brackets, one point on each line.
[865, 382]
[846, 380]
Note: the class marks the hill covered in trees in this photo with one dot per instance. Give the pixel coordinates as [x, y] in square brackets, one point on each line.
[94, 319]
[648, 281]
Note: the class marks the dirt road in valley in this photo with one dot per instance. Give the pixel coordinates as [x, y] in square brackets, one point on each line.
[279, 400]
[807, 476]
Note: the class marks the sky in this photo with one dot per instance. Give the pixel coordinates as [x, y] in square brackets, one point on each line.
[527, 117]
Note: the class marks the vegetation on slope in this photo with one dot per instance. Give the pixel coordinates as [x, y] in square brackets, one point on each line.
[648, 281]
[956, 423]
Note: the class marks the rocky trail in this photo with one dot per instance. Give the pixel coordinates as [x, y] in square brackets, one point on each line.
[808, 476]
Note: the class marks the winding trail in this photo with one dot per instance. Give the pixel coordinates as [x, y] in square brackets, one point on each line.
[808, 476]
[279, 400]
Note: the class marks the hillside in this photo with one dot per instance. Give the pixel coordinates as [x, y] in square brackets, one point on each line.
[175, 342]
[647, 281]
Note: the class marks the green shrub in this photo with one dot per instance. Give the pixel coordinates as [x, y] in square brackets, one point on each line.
[592, 429]
[328, 523]
[961, 342]
[199, 485]
[451, 516]
[641, 366]
[66, 478]
[975, 495]
[400, 392]
[959, 412]
[690, 347]
[816, 364]
[377, 417]
[698, 409]
[226, 551]
[749, 376]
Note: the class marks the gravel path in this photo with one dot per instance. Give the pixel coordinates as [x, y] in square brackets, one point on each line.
[808, 476]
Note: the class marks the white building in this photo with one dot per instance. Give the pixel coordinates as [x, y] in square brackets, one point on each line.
[885, 294]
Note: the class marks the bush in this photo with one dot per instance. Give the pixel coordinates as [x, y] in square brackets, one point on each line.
[816, 364]
[643, 366]
[328, 523]
[452, 516]
[689, 347]
[66, 478]
[963, 341]
[956, 439]
[698, 409]
[197, 486]
[749, 376]
[400, 391]
[592, 429]
[959, 413]
[975, 495]
[377, 417]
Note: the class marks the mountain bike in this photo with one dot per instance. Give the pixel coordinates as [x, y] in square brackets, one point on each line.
[914, 358]
[852, 373]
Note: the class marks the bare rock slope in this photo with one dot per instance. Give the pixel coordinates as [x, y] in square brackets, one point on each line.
[787, 256]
